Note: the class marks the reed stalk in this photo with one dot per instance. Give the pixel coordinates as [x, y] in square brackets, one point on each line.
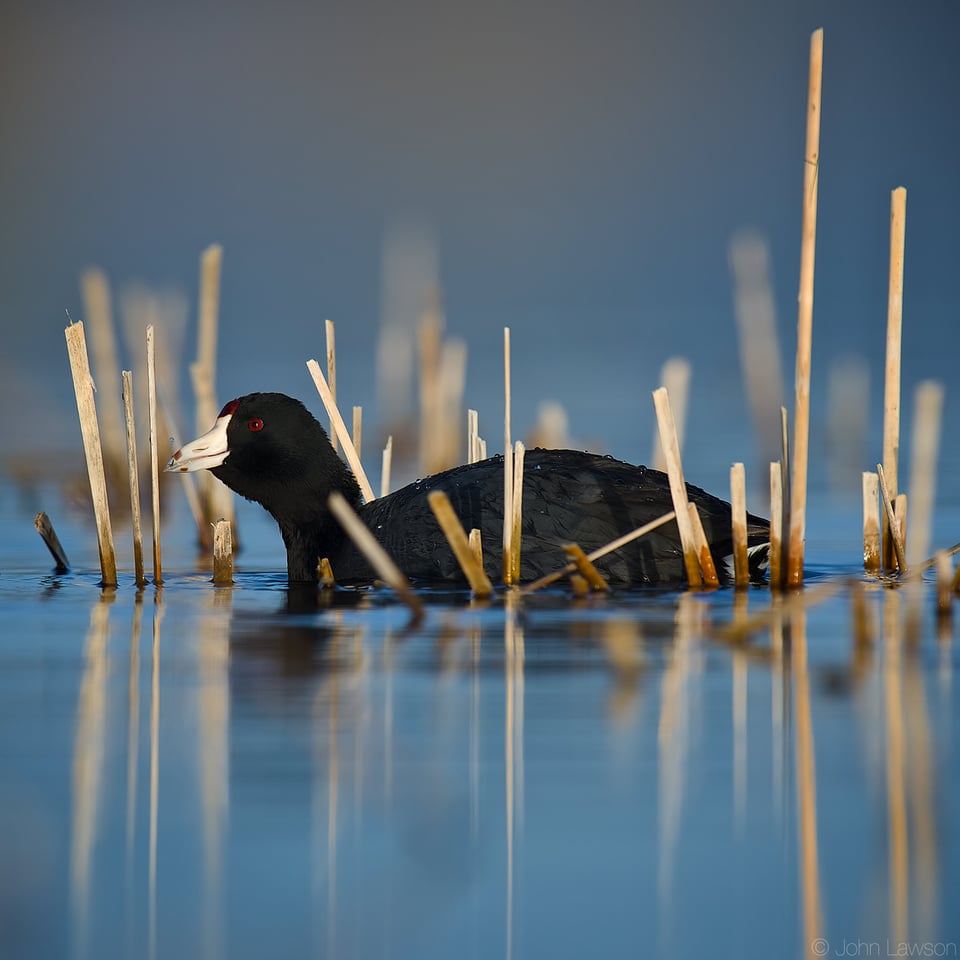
[49, 536]
[738, 505]
[675, 379]
[90, 431]
[386, 467]
[133, 472]
[516, 537]
[757, 337]
[678, 488]
[340, 428]
[507, 466]
[586, 569]
[222, 554]
[891, 389]
[610, 547]
[871, 523]
[776, 525]
[154, 453]
[927, 412]
[945, 577]
[357, 434]
[331, 336]
[801, 415]
[708, 569]
[103, 359]
[376, 556]
[892, 522]
[476, 545]
[459, 543]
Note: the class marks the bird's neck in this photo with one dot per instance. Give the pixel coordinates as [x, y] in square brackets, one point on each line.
[311, 531]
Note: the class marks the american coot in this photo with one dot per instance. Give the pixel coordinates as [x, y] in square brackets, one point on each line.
[269, 448]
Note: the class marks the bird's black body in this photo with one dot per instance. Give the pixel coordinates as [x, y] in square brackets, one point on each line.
[286, 463]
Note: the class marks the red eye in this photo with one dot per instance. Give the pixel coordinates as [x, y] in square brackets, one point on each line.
[255, 425]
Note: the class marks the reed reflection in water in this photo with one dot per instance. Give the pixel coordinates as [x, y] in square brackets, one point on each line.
[381, 792]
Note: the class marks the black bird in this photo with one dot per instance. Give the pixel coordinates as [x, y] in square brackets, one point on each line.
[269, 448]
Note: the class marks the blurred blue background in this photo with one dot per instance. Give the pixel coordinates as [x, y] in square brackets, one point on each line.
[580, 167]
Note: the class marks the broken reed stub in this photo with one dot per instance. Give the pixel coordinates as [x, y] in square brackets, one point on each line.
[519, 451]
[738, 510]
[222, 554]
[585, 568]
[373, 551]
[90, 431]
[893, 522]
[453, 530]
[776, 525]
[708, 568]
[610, 547]
[944, 567]
[49, 536]
[871, 523]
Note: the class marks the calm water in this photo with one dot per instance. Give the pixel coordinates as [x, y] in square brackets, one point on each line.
[208, 772]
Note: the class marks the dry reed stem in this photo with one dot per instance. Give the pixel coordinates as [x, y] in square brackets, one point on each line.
[891, 389]
[927, 411]
[586, 569]
[203, 371]
[945, 579]
[801, 414]
[133, 472]
[222, 554]
[871, 522]
[507, 466]
[215, 499]
[757, 337]
[340, 428]
[49, 536]
[610, 547]
[516, 537]
[579, 585]
[738, 505]
[357, 433]
[707, 567]
[678, 489]
[675, 378]
[776, 525]
[376, 556]
[900, 510]
[103, 349]
[476, 544]
[892, 523]
[154, 455]
[452, 376]
[473, 436]
[386, 466]
[457, 538]
[90, 431]
[332, 371]
[429, 340]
